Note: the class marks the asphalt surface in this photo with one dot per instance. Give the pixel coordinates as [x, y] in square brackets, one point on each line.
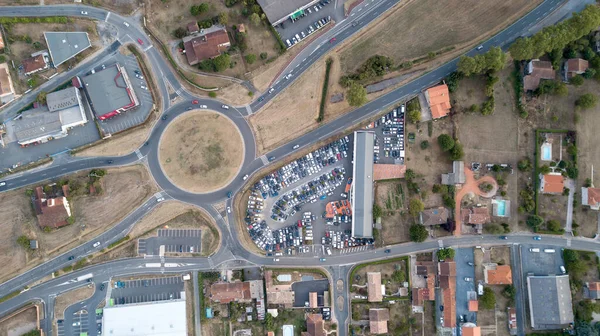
[232, 253]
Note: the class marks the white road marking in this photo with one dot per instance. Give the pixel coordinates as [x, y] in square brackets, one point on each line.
[107, 16]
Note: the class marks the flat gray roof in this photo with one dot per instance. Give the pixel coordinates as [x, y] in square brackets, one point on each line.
[279, 10]
[550, 303]
[164, 318]
[37, 123]
[107, 90]
[62, 99]
[362, 185]
[65, 45]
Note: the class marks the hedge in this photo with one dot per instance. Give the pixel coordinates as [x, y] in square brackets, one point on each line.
[47, 19]
[124, 239]
[324, 91]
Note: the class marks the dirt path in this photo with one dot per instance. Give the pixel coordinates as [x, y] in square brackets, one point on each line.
[471, 186]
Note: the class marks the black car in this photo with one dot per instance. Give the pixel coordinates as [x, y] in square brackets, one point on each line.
[441, 308]
[102, 287]
[71, 257]
[109, 161]
[261, 99]
[164, 117]
[387, 251]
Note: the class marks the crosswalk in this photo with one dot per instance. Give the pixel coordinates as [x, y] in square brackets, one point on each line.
[354, 249]
[264, 159]
[139, 154]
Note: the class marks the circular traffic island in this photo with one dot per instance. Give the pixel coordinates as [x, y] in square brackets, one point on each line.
[201, 151]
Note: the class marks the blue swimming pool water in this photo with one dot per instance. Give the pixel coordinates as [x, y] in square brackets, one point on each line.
[501, 208]
[546, 153]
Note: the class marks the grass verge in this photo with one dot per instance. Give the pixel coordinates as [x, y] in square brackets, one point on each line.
[9, 296]
[118, 242]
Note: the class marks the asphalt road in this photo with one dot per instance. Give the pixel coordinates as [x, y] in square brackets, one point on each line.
[232, 248]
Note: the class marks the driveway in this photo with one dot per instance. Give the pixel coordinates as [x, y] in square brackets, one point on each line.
[569, 183]
[471, 186]
[465, 290]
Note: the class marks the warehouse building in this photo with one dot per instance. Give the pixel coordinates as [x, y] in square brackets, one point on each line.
[361, 194]
[278, 11]
[550, 302]
[65, 45]
[164, 318]
[109, 91]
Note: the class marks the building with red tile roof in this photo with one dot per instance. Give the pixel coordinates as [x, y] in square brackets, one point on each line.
[495, 274]
[374, 287]
[312, 300]
[315, 325]
[192, 27]
[475, 215]
[536, 71]
[470, 329]
[591, 197]
[447, 279]
[229, 292]
[206, 46]
[592, 290]
[576, 66]
[378, 319]
[473, 305]
[553, 183]
[34, 64]
[52, 211]
[438, 98]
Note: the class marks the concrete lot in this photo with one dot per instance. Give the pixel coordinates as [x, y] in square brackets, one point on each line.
[302, 288]
[175, 240]
[148, 290]
[137, 115]
[293, 28]
[541, 263]
[464, 289]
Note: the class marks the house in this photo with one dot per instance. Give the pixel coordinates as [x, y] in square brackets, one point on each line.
[552, 183]
[575, 66]
[475, 215]
[447, 283]
[434, 216]
[209, 44]
[193, 28]
[591, 197]
[312, 300]
[470, 329]
[457, 176]
[35, 63]
[512, 320]
[536, 71]
[237, 292]
[495, 274]
[314, 325]
[427, 271]
[592, 290]
[33, 244]
[51, 211]
[7, 90]
[438, 98]
[550, 302]
[374, 287]
[473, 305]
[378, 318]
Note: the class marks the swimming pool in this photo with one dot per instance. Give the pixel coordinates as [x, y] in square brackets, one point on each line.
[501, 208]
[547, 152]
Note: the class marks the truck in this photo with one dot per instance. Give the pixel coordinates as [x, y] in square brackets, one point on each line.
[549, 250]
[535, 250]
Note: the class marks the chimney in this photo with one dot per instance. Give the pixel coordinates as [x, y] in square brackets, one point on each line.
[50, 202]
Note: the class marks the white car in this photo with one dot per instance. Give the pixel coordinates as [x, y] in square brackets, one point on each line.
[296, 147]
[96, 244]
[84, 13]
[203, 106]
[160, 199]
[2, 184]
[143, 87]
[225, 107]
[480, 47]
[288, 76]
[245, 177]
[228, 209]
[271, 90]
[275, 259]
[126, 24]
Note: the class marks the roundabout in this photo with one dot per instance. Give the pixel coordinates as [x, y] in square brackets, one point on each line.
[201, 151]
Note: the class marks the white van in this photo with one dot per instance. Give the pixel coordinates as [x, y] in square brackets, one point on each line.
[563, 270]
[549, 250]
[536, 250]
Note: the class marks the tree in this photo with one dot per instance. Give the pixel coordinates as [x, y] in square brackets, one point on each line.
[356, 94]
[418, 233]
[414, 116]
[424, 144]
[263, 56]
[446, 142]
[544, 170]
[493, 60]
[584, 328]
[415, 206]
[534, 222]
[223, 19]
[586, 101]
[70, 220]
[222, 62]
[197, 10]
[377, 212]
[553, 225]
[410, 174]
[589, 73]
[446, 253]
[269, 323]
[493, 228]
[488, 299]
[524, 165]
[23, 241]
[41, 98]
[577, 80]
[552, 87]
[250, 58]
[255, 19]
[457, 153]
[179, 32]
[509, 292]
[399, 276]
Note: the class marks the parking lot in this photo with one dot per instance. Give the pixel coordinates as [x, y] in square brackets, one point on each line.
[80, 324]
[307, 22]
[147, 290]
[389, 137]
[303, 288]
[174, 241]
[541, 263]
[465, 290]
[138, 114]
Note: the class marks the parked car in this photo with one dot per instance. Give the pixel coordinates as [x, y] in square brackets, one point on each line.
[228, 209]
[195, 102]
[84, 13]
[537, 238]
[225, 107]
[387, 251]
[140, 41]
[96, 244]
[467, 279]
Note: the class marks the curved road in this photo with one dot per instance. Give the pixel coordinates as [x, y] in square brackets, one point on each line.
[231, 248]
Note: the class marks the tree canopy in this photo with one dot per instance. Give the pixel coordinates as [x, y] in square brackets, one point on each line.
[415, 206]
[446, 142]
[493, 60]
[418, 233]
[357, 94]
[586, 101]
[488, 299]
[446, 253]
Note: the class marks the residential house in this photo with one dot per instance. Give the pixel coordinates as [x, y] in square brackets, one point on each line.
[552, 183]
[37, 62]
[591, 197]
[425, 270]
[575, 66]
[457, 176]
[312, 300]
[470, 329]
[512, 320]
[434, 216]
[209, 43]
[495, 274]
[193, 28]
[475, 215]
[550, 302]
[314, 325]
[51, 210]
[378, 319]
[374, 287]
[473, 305]
[591, 290]
[536, 71]
[7, 90]
[447, 279]
[229, 292]
[438, 98]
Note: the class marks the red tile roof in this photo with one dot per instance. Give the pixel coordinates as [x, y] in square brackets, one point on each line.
[378, 318]
[577, 66]
[206, 46]
[439, 101]
[448, 268]
[479, 215]
[553, 183]
[471, 331]
[374, 287]
[595, 286]
[502, 275]
[50, 212]
[593, 196]
[192, 27]
[473, 305]
[32, 64]
[228, 292]
[315, 324]
[540, 70]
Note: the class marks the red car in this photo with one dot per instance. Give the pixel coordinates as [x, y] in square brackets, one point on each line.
[140, 41]
[332, 40]
[194, 102]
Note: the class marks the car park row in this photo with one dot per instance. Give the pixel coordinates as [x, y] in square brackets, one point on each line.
[312, 28]
[393, 136]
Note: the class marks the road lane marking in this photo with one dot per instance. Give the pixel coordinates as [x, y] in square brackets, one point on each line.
[107, 16]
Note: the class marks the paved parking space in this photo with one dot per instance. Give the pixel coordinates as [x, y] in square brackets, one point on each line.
[302, 288]
[148, 290]
[80, 323]
[174, 241]
[60, 327]
[465, 290]
[541, 263]
[389, 137]
[137, 115]
[321, 10]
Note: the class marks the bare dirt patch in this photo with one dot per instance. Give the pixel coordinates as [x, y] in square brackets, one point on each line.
[201, 151]
[64, 300]
[118, 145]
[395, 222]
[20, 323]
[452, 23]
